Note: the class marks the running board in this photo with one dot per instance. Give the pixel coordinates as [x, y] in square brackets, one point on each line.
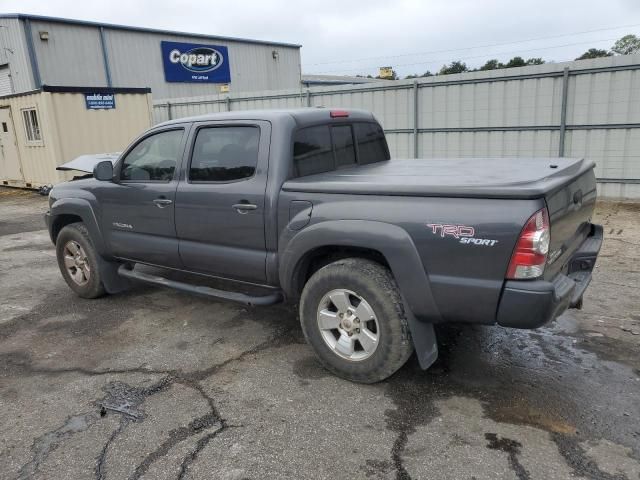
[270, 299]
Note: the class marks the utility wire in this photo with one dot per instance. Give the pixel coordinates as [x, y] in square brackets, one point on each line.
[491, 55]
[471, 48]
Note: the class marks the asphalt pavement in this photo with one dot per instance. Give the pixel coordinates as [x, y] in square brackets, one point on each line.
[159, 384]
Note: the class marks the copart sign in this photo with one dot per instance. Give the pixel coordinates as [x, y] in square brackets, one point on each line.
[195, 63]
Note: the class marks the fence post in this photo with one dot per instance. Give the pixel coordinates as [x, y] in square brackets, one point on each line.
[308, 97]
[169, 113]
[563, 111]
[228, 103]
[415, 119]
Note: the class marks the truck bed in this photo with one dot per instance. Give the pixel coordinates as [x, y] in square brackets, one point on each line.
[516, 178]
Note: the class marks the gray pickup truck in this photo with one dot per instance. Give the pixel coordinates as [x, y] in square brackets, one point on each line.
[306, 206]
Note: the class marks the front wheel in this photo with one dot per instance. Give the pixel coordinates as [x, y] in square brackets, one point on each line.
[78, 261]
[352, 315]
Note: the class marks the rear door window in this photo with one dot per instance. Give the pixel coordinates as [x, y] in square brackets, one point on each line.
[224, 154]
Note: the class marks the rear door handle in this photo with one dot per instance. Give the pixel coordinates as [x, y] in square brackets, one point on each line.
[243, 208]
[162, 202]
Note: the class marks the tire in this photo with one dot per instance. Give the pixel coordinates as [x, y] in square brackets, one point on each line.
[370, 289]
[82, 276]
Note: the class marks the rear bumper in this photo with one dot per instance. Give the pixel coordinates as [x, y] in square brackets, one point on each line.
[531, 304]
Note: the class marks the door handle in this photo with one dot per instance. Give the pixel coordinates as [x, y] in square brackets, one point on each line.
[243, 208]
[162, 202]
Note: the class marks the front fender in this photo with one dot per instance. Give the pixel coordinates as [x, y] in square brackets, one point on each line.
[82, 208]
[391, 241]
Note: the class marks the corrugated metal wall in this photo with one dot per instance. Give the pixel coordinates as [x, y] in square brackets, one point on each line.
[588, 108]
[69, 129]
[37, 159]
[98, 131]
[13, 52]
[72, 55]
[136, 61]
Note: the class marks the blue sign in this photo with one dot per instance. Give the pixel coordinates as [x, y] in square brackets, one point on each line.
[191, 62]
[100, 101]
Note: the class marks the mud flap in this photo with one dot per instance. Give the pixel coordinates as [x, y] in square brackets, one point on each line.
[113, 283]
[424, 340]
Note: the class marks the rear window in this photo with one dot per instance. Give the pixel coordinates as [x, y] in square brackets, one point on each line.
[312, 151]
[343, 144]
[372, 146]
[324, 148]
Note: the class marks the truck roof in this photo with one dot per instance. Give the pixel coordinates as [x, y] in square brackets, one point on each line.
[301, 116]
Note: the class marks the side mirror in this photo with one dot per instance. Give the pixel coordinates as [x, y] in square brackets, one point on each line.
[103, 171]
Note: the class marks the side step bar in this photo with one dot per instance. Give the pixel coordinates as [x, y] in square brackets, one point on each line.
[270, 299]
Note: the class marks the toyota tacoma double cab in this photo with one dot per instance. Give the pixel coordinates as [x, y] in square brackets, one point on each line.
[306, 206]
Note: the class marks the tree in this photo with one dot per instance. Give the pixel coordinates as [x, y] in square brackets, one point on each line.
[415, 75]
[626, 45]
[456, 66]
[594, 53]
[515, 62]
[491, 65]
[535, 61]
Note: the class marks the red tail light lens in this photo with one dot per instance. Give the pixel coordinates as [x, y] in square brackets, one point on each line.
[338, 113]
[530, 255]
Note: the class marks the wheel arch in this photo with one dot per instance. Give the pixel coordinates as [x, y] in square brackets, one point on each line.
[70, 210]
[385, 243]
[61, 221]
[322, 255]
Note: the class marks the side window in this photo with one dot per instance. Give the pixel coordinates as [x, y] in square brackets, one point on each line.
[312, 152]
[372, 146]
[31, 125]
[154, 158]
[343, 145]
[224, 154]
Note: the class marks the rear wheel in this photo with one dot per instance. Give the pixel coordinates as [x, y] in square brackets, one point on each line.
[78, 261]
[352, 315]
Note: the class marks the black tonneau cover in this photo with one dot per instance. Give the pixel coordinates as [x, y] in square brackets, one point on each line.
[518, 178]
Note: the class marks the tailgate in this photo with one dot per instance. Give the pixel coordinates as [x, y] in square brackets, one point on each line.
[570, 210]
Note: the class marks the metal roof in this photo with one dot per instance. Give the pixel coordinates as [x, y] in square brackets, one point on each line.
[318, 79]
[113, 26]
[74, 89]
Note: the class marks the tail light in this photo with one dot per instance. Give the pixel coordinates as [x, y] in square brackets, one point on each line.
[530, 255]
[338, 113]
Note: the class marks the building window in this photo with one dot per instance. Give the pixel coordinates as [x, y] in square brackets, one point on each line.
[31, 125]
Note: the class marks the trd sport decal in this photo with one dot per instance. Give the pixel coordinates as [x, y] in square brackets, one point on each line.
[463, 233]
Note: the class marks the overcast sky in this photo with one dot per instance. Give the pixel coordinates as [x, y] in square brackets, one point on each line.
[357, 37]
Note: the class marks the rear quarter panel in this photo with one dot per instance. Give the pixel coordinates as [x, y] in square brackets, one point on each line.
[466, 278]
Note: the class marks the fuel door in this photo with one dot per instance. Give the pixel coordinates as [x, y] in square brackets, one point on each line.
[299, 214]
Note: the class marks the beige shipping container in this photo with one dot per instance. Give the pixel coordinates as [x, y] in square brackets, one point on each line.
[45, 128]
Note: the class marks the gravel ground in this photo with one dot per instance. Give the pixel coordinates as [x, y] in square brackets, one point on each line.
[158, 384]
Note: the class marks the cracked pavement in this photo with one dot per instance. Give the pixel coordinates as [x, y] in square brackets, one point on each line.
[157, 384]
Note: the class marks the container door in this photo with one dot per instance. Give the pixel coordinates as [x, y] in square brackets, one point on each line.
[10, 167]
